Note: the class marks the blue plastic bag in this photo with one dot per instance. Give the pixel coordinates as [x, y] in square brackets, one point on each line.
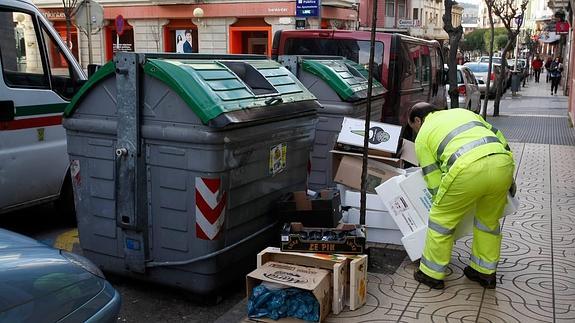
[280, 303]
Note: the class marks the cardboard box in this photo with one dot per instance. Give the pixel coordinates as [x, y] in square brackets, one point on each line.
[382, 136]
[307, 278]
[379, 226]
[357, 281]
[336, 264]
[373, 219]
[349, 172]
[405, 157]
[324, 211]
[345, 238]
[351, 198]
[346, 270]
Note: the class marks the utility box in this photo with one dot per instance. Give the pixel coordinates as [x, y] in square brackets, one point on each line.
[341, 86]
[177, 161]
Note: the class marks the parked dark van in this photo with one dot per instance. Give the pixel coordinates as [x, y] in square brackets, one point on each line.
[411, 69]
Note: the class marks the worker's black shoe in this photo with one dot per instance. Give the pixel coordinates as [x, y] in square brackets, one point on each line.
[488, 281]
[429, 281]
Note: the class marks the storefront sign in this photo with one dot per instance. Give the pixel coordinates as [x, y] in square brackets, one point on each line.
[307, 8]
[53, 14]
[404, 23]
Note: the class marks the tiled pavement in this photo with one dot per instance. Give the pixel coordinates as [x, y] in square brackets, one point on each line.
[536, 273]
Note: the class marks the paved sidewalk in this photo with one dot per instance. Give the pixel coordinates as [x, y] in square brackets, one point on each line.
[537, 267]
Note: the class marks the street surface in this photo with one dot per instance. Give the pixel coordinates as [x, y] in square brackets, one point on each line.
[532, 121]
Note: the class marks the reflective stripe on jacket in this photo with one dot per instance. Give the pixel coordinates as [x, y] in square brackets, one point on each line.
[450, 140]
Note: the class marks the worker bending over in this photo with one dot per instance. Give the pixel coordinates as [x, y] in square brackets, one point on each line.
[467, 165]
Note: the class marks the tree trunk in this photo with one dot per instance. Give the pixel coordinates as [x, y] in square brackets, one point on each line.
[452, 71]
[502, 83]
[68, 24]
[491, 40]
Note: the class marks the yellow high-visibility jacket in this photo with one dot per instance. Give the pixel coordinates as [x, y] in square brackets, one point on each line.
[450, 140]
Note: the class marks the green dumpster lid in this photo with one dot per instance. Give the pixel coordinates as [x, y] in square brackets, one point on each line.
[214, 87]
[348, 79]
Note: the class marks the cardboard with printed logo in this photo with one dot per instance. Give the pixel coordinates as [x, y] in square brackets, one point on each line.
[382, 136]
[315, 280]
[335, 263]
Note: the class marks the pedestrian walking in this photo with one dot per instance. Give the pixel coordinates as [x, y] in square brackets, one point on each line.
[547, 66]
[468, 166]
[537, 64]
[556, 69]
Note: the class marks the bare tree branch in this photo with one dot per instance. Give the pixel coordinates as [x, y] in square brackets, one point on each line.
[509, 14]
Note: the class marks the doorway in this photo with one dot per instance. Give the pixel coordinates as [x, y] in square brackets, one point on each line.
[250, 36]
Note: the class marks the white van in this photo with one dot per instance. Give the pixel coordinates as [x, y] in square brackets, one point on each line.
[38, 77]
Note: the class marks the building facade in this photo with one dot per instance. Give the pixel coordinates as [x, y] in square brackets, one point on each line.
[208, 26]
[430, 14]
[392, 15]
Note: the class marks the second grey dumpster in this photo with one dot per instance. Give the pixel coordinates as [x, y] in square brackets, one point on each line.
[176, 164]
[340, 85]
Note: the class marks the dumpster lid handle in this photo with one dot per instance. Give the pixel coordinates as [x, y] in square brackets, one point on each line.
[274, 100]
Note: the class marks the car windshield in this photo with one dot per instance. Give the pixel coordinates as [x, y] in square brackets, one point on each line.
[477, 68]
[355, 50]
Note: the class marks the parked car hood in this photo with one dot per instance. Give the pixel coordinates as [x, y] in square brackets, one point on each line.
[35, 276]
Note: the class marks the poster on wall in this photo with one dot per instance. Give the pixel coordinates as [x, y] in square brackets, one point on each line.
[184, 41]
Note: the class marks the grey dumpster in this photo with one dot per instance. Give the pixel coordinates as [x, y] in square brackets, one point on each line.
[178, 160]
[340, 85]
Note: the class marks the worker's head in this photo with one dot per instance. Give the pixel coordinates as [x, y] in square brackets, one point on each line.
[417, 114]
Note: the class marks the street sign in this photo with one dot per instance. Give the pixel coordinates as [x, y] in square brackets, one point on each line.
[307, 8]
[89, 16]
[119, 25]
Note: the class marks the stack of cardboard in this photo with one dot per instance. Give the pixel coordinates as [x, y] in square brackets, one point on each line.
[386, 160]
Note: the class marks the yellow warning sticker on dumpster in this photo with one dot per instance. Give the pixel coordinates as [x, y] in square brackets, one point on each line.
[278, 156]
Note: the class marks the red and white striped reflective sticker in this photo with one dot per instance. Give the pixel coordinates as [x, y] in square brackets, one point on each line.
[210, 208]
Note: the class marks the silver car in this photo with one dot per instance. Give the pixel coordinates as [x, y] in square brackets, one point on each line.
[485, 59]
[480, 72]
[41, 284]
[468, 88]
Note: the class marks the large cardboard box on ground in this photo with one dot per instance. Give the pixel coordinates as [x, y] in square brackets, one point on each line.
[382, 136]
[309, 278]
[349, 169]
[346, 271]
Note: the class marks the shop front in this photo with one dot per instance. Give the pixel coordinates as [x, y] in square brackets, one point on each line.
[211, 28]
